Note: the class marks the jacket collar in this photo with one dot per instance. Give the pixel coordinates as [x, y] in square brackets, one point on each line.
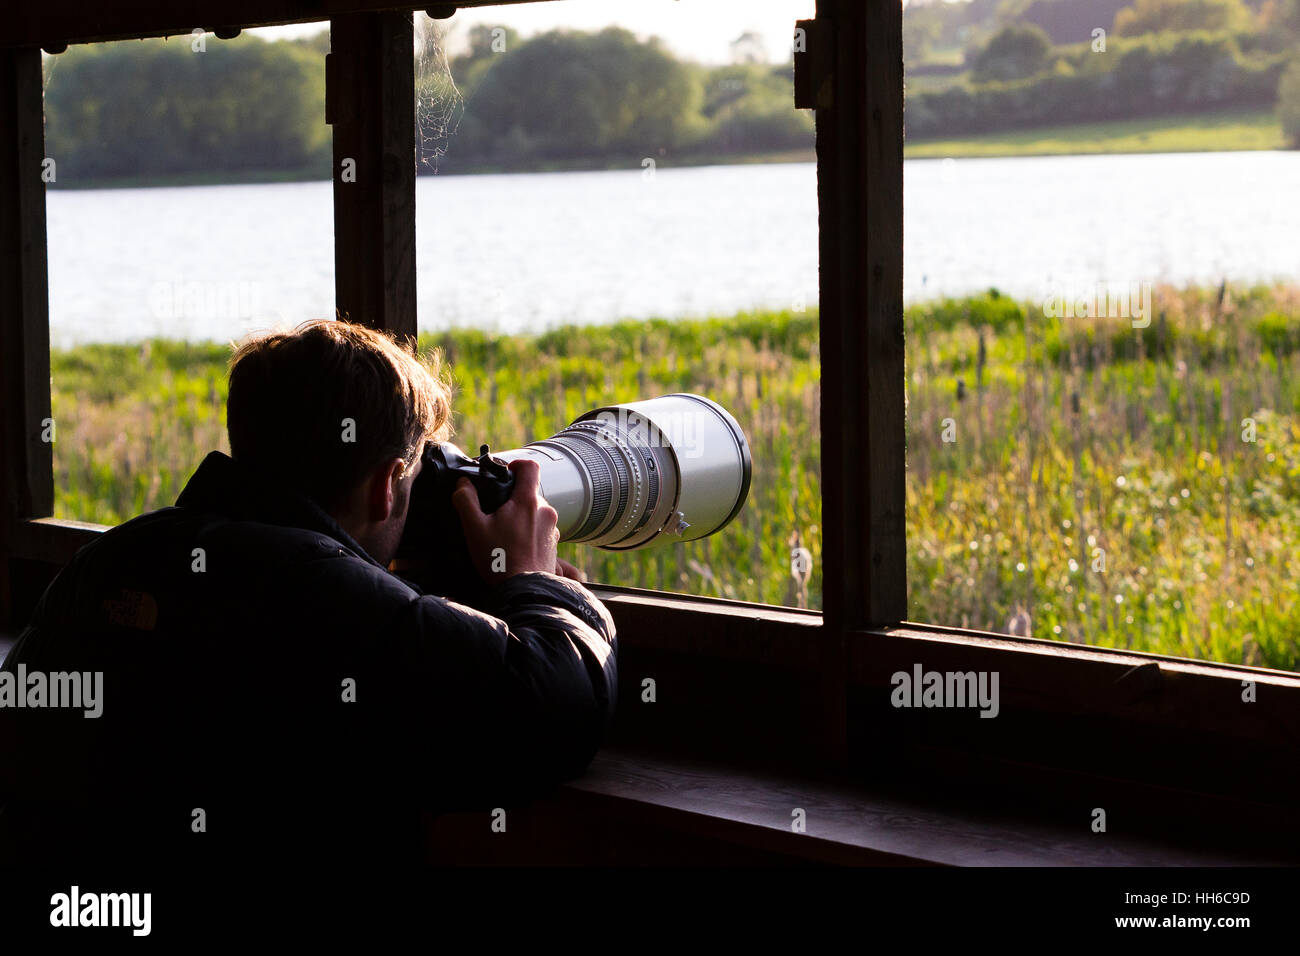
[237, 491]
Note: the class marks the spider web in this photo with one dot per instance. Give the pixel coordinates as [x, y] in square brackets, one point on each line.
[439, 104]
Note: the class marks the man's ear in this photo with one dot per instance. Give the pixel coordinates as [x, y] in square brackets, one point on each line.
[381, 491]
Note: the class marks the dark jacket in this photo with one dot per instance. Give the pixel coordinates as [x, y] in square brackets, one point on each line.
[260, 667]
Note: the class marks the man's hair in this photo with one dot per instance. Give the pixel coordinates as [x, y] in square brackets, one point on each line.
[320, 407]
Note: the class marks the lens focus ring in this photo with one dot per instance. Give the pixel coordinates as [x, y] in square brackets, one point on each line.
[600, 469]
[608, 442]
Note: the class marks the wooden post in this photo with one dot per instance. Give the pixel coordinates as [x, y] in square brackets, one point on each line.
[860, 200]
[370, 92]
[26, 457]
[860, 203]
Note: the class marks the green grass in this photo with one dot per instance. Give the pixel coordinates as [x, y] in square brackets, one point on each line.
[1173, 134]
[1098, 476]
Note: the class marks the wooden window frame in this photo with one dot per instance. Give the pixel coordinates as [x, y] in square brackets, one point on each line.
[1165, 739]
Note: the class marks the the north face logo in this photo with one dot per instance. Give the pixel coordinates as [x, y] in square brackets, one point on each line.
[135, 609]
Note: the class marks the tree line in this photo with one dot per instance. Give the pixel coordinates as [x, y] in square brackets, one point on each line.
[1007, 64]
[159, 107]
[150, 108]
[1147, 76]
[564, 96]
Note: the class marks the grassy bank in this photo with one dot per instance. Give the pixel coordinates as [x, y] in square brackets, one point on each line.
[1173, 134]
[1097, 478]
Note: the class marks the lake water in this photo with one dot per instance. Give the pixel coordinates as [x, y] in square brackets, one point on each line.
[515, 252]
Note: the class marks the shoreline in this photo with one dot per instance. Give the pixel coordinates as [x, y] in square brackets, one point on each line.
[271, 176]
[1257, 131]
[1248, 289]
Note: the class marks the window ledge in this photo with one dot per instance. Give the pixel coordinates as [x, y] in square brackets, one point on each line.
[752, 812]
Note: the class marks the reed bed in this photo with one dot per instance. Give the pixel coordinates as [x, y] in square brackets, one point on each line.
[1121, 487]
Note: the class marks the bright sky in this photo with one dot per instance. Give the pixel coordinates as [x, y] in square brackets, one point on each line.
[695, 29]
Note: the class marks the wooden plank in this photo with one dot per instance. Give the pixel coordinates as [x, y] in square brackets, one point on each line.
[26, 460]
[83, 21]
[1171, 740]
[1050, 676]
[731, 630]
[1065, 709]
[1199, 696]
[860, 203]
[628, 796]
[1206, 795]
[725, 630]
[53, 540]
[729, 677]
[853, 73]
[841, 816]
[371, 94]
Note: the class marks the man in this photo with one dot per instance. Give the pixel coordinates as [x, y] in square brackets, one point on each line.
[270, 689]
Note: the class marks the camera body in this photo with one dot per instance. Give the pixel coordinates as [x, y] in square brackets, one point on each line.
[433, 537]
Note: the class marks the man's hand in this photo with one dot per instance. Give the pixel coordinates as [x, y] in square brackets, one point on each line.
[518, 537]
[566, 570]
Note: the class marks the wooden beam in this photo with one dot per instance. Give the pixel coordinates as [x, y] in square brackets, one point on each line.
[1095, 718]
[860, 202]
[851, 72]
[26, 457]
[370, 91]
[61, 22]
[52, 540]
[715, 628]
[649, 808]
[1199, 726]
